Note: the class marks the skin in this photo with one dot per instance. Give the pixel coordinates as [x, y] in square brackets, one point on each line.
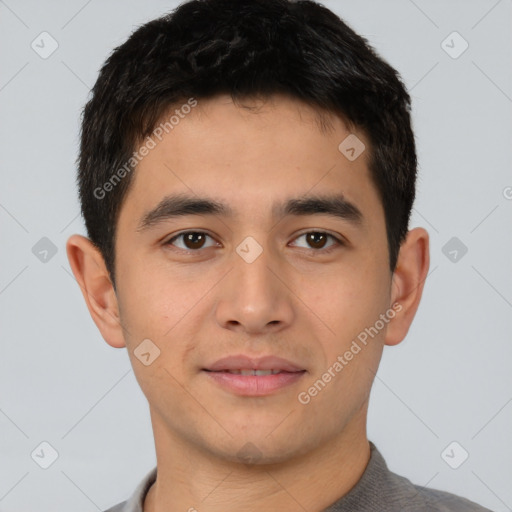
[292, 302]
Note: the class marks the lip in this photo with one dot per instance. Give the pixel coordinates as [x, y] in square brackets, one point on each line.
[253, 385]
[243, 362]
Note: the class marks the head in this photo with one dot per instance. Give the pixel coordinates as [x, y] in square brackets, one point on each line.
[246, 173]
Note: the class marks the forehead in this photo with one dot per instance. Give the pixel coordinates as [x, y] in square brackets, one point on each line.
[250, 155]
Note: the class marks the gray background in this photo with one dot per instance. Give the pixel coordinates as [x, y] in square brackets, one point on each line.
[450, 380]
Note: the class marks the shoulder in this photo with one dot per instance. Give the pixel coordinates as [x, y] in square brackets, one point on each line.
[415, 498]
[379, 489]
[442, 501]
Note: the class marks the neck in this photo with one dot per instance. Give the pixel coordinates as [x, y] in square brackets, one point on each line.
[189, 479]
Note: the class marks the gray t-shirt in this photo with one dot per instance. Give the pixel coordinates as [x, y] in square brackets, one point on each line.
[378, 490]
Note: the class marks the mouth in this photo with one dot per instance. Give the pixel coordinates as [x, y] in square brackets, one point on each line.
[246, 376]
[252, 372]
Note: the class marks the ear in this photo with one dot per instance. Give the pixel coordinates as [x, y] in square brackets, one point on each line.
[407, 283]
[90, 271]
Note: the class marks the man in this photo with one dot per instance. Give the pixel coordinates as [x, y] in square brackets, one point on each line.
[247, 172]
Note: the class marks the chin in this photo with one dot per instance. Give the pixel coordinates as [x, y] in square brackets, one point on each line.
[259, 449]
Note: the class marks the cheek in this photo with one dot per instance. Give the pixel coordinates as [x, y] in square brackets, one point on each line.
[347, 299]
[149, 295]
[166, 309]
[153, 309]
[350, 304]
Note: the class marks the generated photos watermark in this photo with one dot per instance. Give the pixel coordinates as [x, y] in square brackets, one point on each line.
[304, 397]
[149, 144]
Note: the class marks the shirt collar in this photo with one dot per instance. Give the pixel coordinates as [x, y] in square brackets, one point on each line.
[369, 483]
[136, 500]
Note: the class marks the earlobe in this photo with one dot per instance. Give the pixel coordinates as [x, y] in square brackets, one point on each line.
[91, 274]
[408, 282]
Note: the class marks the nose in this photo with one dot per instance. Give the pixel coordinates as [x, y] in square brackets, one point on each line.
[255, 296]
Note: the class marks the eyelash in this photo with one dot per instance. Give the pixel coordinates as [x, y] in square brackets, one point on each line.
[338, 242]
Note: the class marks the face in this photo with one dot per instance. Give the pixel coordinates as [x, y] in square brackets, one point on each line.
[283, 255]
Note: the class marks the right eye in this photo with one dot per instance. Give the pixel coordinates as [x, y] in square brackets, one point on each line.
[191, 240]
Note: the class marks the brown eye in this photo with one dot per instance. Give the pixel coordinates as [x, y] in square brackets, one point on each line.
[317, 240]
[191, 240]
[194, 240]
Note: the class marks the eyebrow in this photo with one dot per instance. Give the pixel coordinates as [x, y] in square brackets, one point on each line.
[174, 206]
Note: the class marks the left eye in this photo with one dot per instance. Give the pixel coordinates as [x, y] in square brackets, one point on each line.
[195, 240]
[317, 240]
